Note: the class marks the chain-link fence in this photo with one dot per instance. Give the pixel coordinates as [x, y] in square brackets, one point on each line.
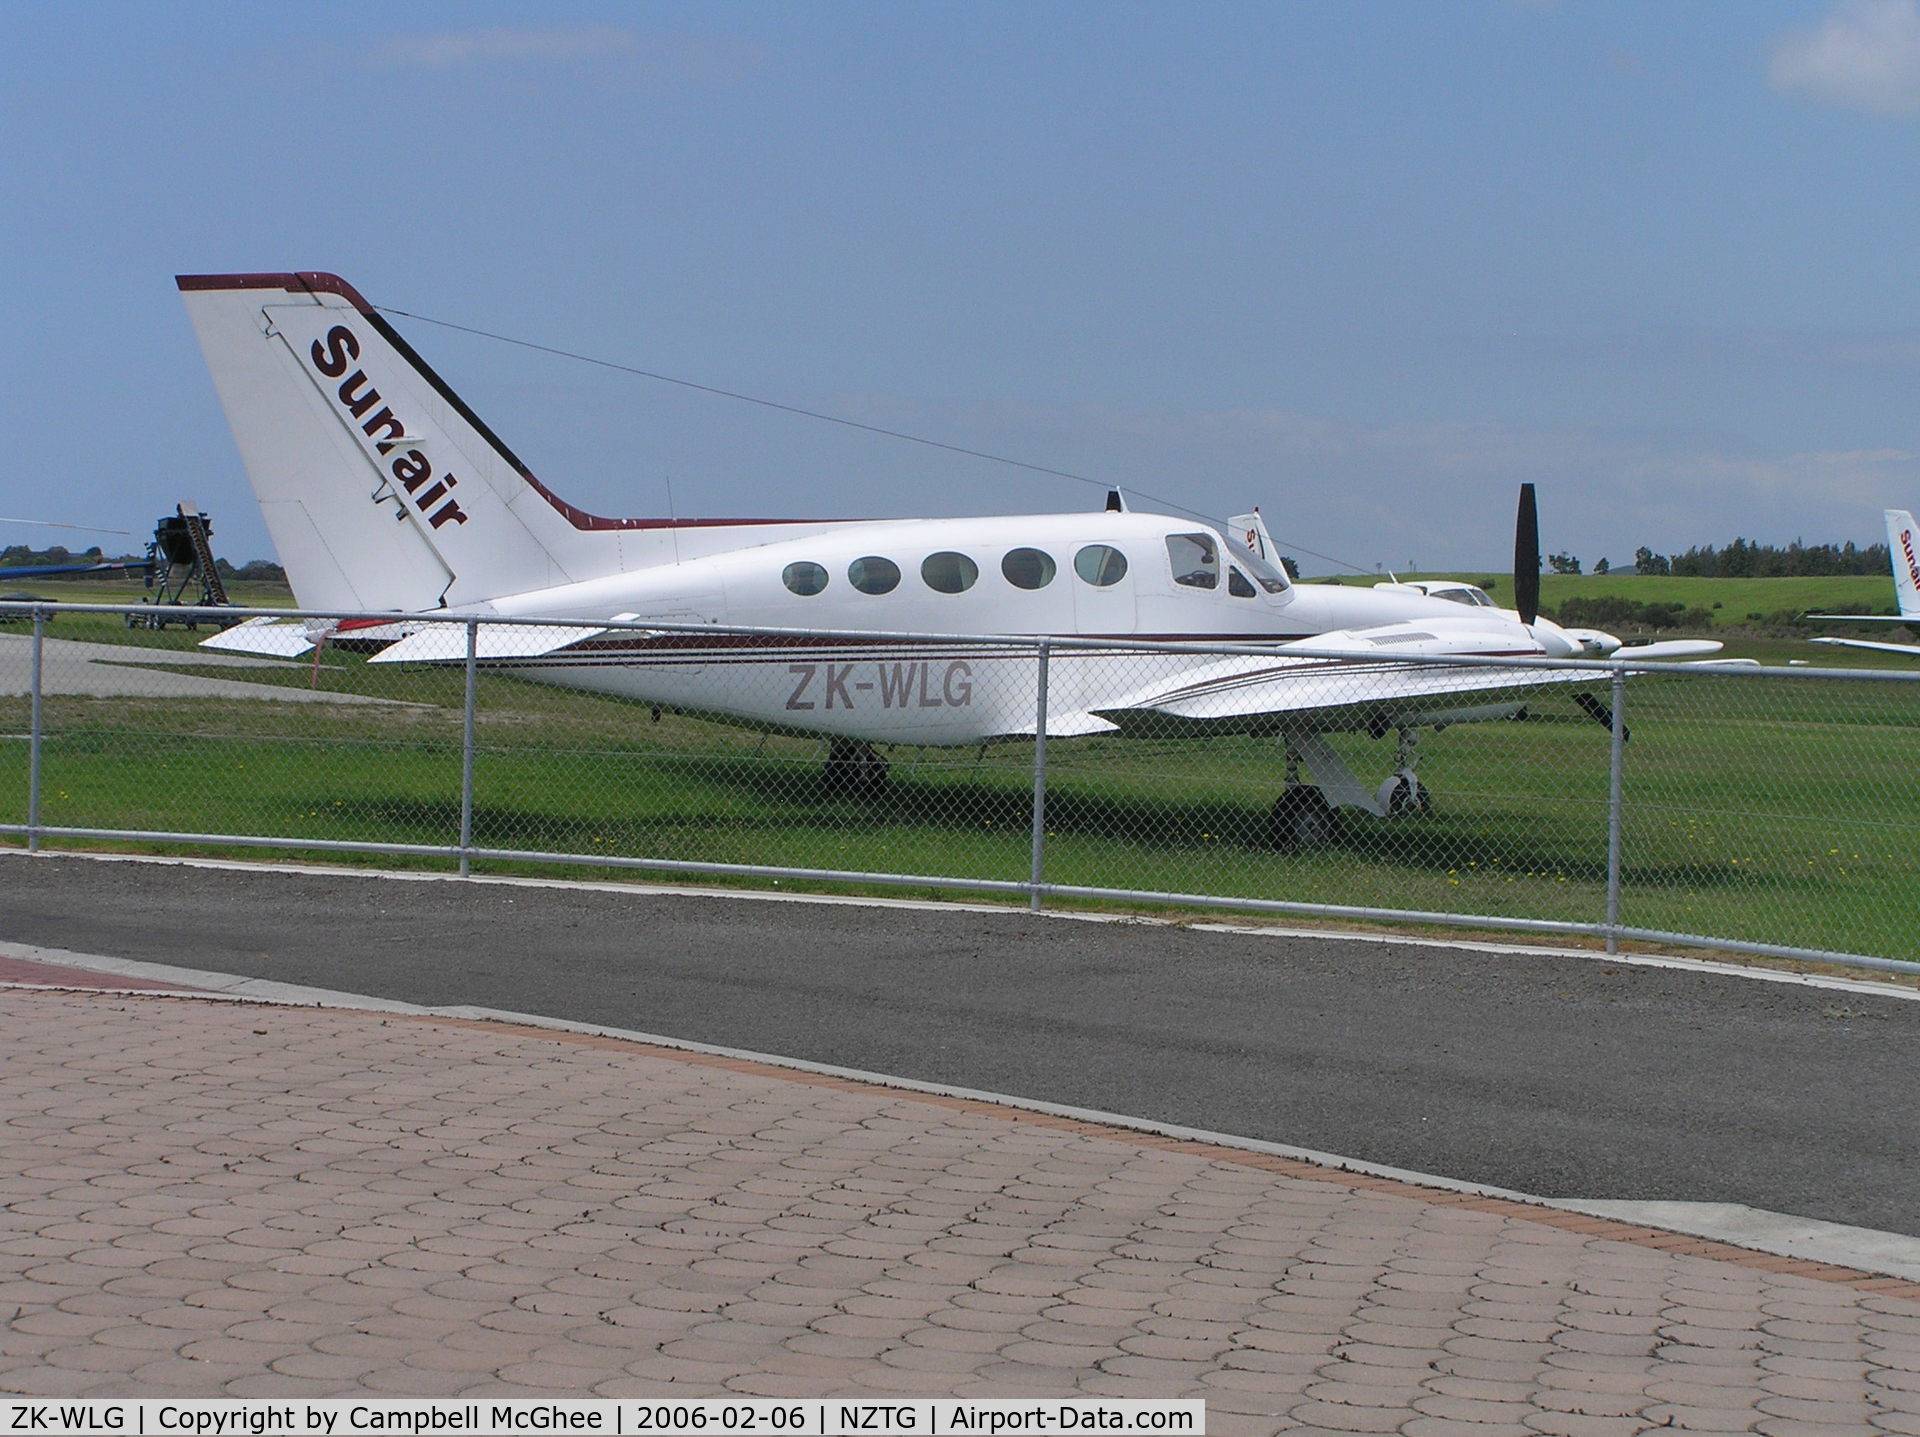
[1770, 810]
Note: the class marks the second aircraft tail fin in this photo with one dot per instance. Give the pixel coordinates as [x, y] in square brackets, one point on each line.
[1906, 561]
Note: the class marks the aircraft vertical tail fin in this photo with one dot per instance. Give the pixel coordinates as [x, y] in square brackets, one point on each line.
[1906, 561]
[382, 490]
[1251, 530]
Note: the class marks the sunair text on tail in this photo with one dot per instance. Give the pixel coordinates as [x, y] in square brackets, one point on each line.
[386, 494]
[413, 470]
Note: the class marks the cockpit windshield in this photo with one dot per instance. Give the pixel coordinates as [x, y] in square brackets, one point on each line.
[1464, 594]
[1268, 576]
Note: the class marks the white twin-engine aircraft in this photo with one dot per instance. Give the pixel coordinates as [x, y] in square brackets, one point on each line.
[1906, 586]
[385, 493]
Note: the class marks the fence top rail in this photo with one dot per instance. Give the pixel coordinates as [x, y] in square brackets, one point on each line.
[1016, 642]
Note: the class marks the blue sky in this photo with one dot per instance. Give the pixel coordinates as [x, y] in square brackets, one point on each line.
[1367, 265]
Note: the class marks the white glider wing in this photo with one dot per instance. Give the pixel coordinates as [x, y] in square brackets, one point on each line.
[1884, 646]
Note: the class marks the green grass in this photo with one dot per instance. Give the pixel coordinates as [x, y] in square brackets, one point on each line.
[1762, 810]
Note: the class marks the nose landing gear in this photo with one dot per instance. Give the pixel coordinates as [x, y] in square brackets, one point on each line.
[853, 770]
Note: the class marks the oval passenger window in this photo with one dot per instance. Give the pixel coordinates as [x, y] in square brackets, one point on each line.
[1100, 565]
[1028, 568]
[874, 575]
[804, 577]
[948, 572]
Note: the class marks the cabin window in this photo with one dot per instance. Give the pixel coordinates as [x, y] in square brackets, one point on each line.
[948, 572]
[1028, 568]
[1196, 560]
[804, 578]
[874, 575]
[1239, 585]
[1100, 565]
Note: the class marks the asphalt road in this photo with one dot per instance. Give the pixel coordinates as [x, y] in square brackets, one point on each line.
[1564, 1077]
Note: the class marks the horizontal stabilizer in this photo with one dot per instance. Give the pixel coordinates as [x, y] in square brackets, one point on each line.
[447, 643]
[278, 638]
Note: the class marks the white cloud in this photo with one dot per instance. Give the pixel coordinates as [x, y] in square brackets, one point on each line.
[1864, 56]
[656, 57]
[1816, 483]
[457, 50]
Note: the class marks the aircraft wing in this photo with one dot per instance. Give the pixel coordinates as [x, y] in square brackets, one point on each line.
[1273, 695]
[41, 571]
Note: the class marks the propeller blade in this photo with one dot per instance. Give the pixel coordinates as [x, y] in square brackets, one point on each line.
[1526, 557]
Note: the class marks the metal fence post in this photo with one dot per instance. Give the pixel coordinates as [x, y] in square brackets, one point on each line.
[1039, 777]
[466, 751]
[34, 732]
[1617, 751]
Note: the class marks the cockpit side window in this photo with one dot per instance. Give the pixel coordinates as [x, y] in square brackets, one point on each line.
[1195, 559]
[1239, 585]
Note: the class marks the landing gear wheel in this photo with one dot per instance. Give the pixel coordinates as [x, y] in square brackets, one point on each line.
[1404, 794]
[1302, 818]
[853, 770]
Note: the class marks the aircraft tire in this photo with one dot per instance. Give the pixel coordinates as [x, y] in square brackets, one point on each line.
[1408, 795]
[854, 770]
[1302, 818]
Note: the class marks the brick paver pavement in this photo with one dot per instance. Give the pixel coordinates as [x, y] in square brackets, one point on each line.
[206, 1198]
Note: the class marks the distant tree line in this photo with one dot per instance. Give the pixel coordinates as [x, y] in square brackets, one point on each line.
[23, 556]
[255, 569]
[1743, 559]
[59, 554]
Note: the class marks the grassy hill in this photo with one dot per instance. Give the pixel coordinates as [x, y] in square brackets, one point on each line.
[1731, 603]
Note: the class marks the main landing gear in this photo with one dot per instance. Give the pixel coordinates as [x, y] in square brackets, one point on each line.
[1302, 818]
[853, 770]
